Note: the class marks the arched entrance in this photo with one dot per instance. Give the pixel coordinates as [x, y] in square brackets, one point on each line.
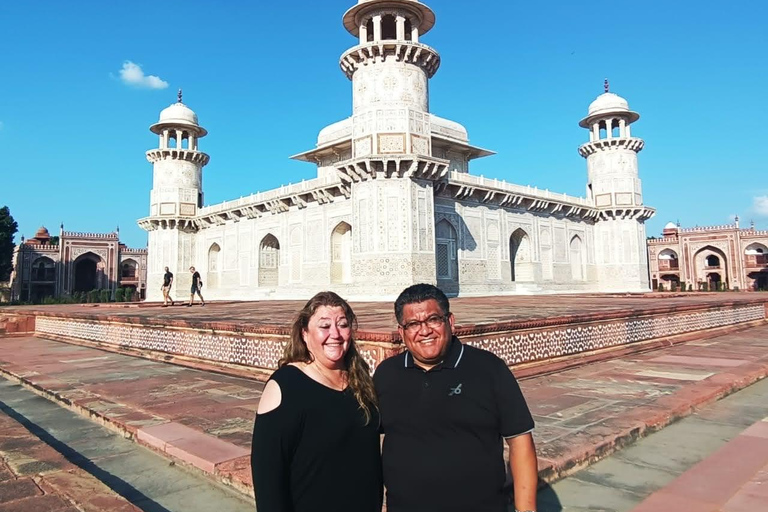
[88, 273]
[711, 266]
[520, 256]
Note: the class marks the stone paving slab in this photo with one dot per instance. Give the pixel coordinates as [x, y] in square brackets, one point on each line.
[34, 477]
[733, 479]
[582, 414]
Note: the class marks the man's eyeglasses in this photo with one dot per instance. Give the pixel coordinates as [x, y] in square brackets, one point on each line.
[433, 322]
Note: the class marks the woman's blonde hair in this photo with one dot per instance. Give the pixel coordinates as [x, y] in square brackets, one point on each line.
[358, 372]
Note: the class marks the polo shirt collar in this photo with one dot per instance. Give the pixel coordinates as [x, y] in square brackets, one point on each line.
[452, 357]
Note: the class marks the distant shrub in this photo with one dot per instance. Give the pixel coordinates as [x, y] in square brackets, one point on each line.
[119, 294]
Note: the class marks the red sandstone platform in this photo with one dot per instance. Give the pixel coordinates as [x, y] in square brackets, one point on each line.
[473, 314]
[204, 419]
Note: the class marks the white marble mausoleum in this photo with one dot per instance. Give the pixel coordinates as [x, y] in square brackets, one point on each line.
[394, 202]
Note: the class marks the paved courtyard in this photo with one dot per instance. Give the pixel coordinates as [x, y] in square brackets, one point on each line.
[205, 419]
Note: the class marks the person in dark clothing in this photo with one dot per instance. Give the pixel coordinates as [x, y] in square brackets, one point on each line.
[445, 408]
[166, 288]
[316, 435]
[197, 285]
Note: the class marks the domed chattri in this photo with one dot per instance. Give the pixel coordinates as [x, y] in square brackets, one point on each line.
[609, 103]
[354, 16]
[179, 115]
[42, 232]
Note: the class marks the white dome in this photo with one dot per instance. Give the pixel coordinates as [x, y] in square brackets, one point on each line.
[670, 225]
[178, 113]
[608, 102]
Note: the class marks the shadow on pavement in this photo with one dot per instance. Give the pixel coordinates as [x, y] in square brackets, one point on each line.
[118, 485]
[547, 500]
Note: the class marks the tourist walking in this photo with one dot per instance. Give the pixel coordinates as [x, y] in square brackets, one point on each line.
[166, 288]
[445, 408]
[197, 285]
[316, 436]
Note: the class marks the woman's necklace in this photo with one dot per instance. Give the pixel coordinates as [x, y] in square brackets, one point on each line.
[333, 383]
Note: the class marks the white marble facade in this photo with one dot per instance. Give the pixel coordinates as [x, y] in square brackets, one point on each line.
[394, 202]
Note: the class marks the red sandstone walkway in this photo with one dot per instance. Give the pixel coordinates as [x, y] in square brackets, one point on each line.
[34, 477]
[205, 419]
[733, 479]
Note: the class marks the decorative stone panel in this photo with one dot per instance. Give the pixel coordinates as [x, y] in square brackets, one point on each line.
[529, 345]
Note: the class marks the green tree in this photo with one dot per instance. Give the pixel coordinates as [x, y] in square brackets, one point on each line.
[8, 228]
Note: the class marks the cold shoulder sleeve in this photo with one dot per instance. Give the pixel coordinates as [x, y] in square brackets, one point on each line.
[275, 437]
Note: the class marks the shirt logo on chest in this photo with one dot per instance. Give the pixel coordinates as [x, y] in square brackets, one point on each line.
[455, 391]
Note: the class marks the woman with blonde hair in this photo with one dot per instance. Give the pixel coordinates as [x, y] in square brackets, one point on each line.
[316, 436]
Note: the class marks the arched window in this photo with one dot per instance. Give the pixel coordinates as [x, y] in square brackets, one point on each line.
[388, 27]
[756, 255]
[712, 261]
[668, 260]
[446, 251]
[408, 29]
[341, 254]
[128, 269]
[214, 258]
[269, 261]
[577, 259]
[369, 30]
[43, 269]
[520, 256]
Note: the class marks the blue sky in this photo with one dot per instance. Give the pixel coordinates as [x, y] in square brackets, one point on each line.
[264, 79]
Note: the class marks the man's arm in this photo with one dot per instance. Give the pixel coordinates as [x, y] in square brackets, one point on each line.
[525, 472]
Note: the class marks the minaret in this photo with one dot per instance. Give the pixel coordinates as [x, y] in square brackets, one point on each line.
[177, 193]
[615, 189]
[392, 151]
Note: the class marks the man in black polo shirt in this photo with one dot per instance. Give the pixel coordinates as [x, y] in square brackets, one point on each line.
[445, 408]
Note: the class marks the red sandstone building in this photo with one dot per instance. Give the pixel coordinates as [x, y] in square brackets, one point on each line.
[710, 257]
[44, 266]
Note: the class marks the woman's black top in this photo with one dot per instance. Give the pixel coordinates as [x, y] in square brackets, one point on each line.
[314, 452]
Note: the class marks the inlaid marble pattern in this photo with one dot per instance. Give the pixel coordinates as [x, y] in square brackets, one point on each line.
[546, 343]
[263, 350]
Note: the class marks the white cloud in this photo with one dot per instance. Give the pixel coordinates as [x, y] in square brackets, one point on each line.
[133, 75]
[761, 205]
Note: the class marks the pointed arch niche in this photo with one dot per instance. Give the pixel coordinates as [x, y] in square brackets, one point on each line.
[578, 272]
[446, 252]
[269, 261]
[214, 265]
[521, 264]
[341, 254]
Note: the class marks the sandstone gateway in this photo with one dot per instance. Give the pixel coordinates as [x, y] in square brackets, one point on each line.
[394, 202]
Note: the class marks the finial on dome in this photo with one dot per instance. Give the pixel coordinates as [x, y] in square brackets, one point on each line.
[606, 86]
[180, 96]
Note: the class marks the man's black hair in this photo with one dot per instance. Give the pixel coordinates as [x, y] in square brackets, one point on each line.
[420, 293]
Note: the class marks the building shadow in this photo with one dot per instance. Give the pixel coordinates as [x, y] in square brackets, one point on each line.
[115, 483]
